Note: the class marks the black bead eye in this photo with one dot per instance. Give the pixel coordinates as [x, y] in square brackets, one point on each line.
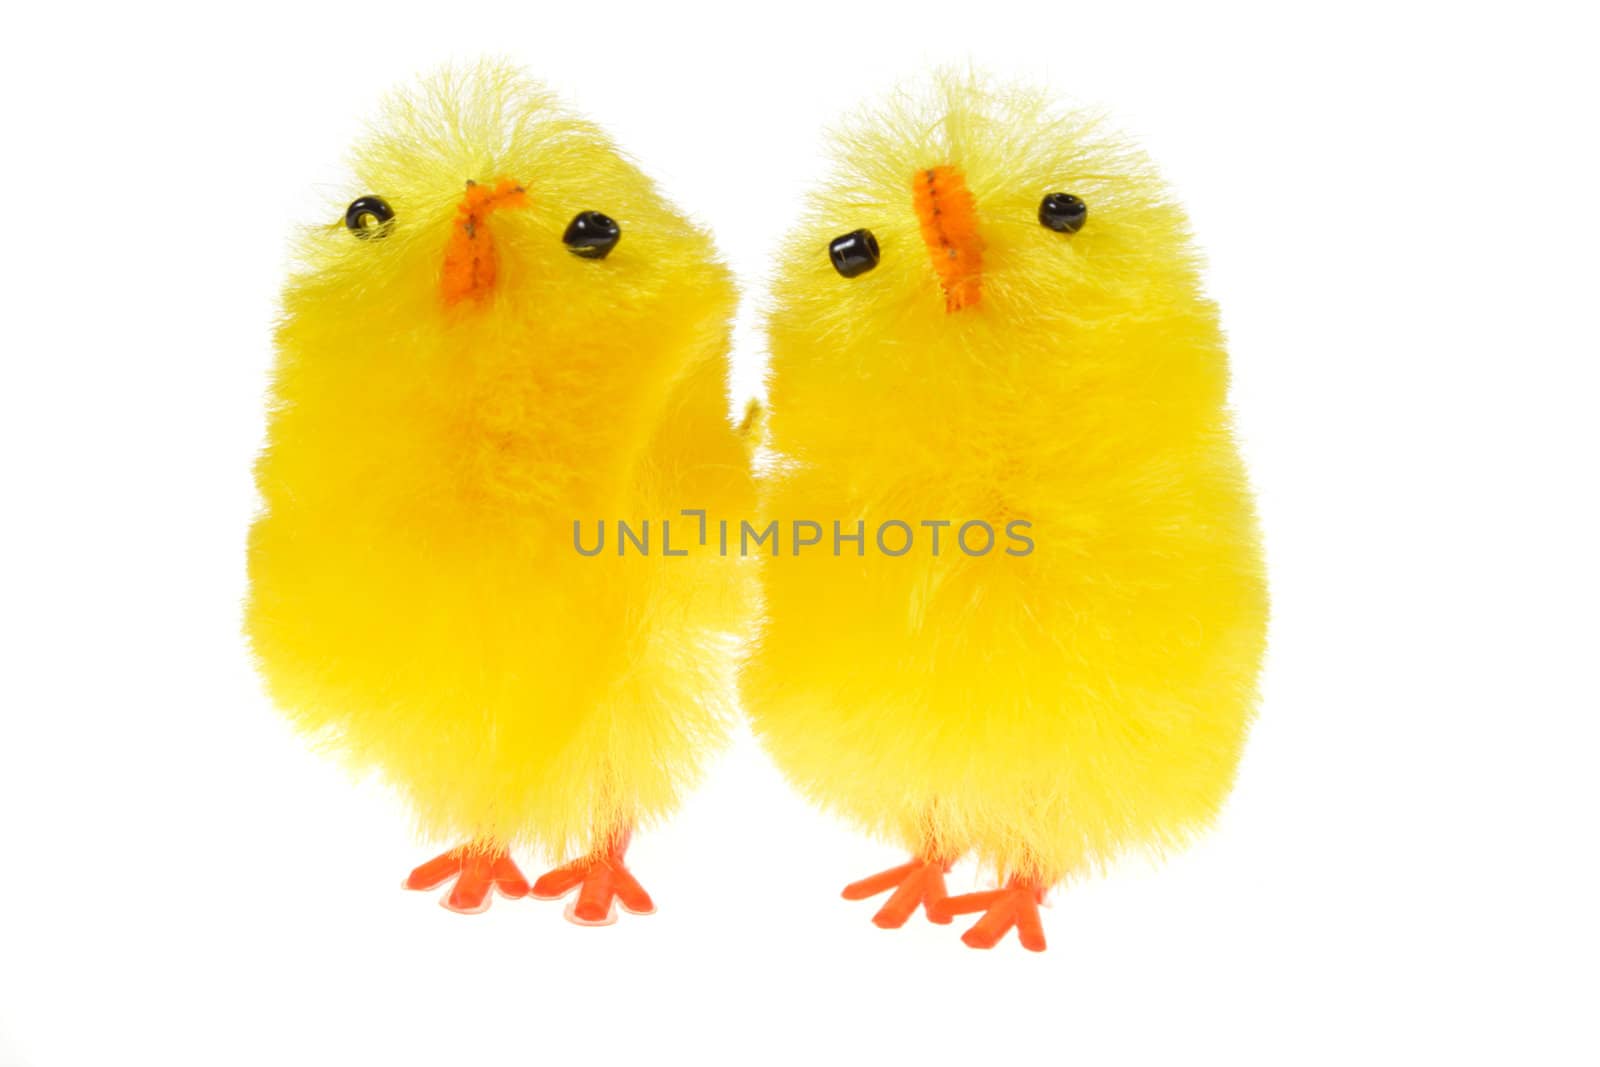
[854, 253]
[1063, 213]
[369, 216]
[592, 235]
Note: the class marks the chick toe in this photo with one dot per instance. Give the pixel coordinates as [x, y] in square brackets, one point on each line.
[1017, 905]
[476, 869]
[602, 880]
[916, 883]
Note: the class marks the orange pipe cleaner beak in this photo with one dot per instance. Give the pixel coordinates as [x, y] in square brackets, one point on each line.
[470, 266]
[949, 219]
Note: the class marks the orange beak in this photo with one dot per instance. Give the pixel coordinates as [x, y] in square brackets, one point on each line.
[469, 259]
[949, 220]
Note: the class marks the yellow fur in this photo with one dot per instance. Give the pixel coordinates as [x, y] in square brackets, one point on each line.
[416, 597]
[1049, 711]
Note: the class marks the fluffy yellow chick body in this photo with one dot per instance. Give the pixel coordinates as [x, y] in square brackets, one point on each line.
[1042, 710]
[454, 389]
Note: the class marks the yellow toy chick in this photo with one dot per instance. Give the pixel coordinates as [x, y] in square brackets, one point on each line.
[1023, 608]
[507, 340]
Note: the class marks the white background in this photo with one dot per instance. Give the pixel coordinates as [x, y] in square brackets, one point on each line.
[1398, 205]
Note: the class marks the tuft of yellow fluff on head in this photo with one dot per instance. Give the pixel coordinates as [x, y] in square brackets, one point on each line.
[416, 599]
[1044, 712]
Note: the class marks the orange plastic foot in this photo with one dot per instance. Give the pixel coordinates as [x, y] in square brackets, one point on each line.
[476, 870]
[918, 882]
[1015, 905]
[603, 881]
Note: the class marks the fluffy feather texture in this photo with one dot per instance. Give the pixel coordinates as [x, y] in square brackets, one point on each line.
[1049, 711]
[416, 598]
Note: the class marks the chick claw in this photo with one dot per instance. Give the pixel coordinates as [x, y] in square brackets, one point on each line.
[476, 870]
[605, 881]
[919, 881]
[1015, 905]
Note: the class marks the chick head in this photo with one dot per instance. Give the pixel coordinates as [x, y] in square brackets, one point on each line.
[974, 227]
[497, 275]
